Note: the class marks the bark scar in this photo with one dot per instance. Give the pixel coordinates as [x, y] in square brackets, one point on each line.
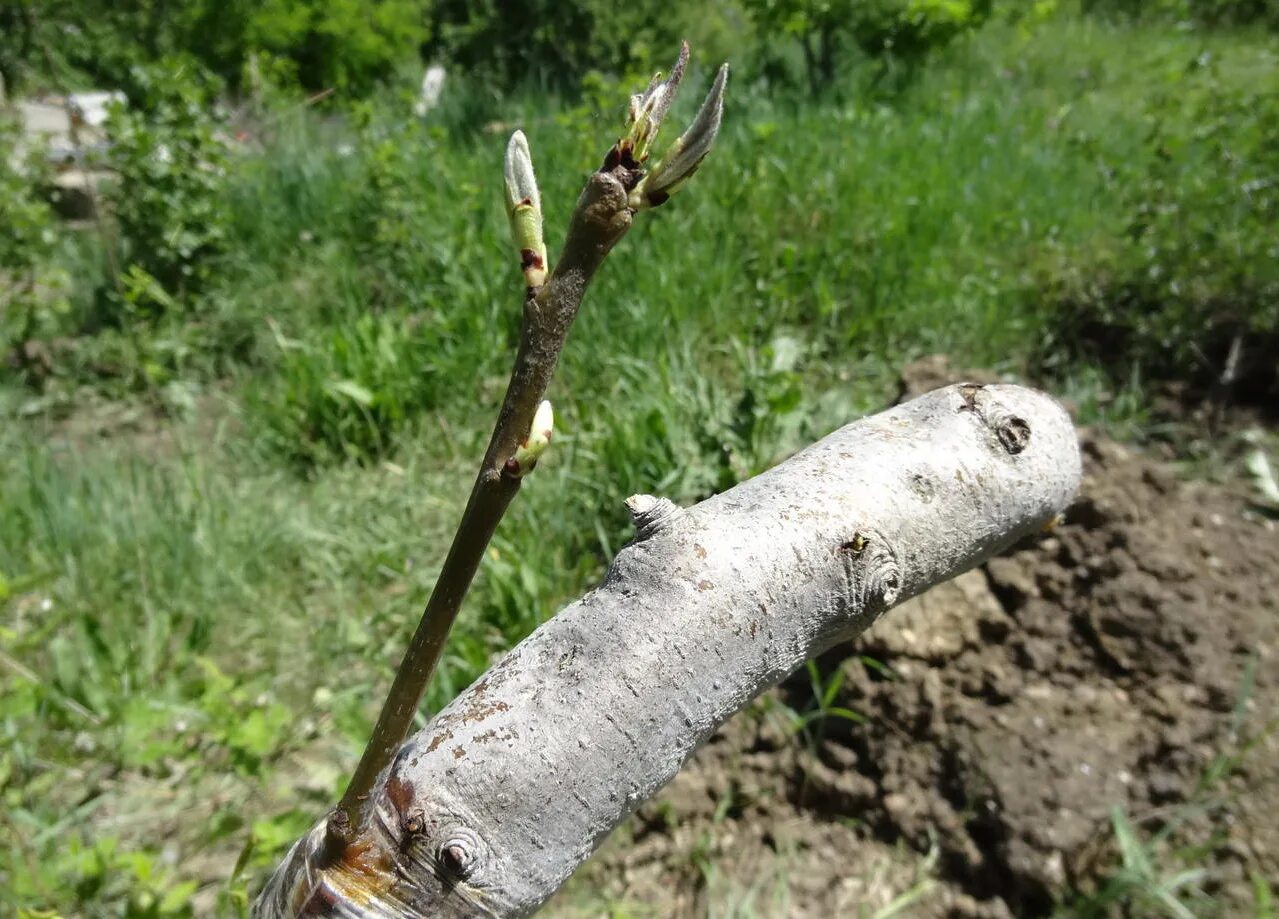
[1011, 431]
[651, 515]
[872, 577]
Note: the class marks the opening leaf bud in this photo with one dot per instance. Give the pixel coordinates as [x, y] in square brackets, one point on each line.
[684, 156]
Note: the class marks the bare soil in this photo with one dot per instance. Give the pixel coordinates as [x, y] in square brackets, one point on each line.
[1126, 659]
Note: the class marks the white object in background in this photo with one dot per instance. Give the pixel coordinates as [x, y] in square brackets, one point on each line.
[90, 108]
[428, 96]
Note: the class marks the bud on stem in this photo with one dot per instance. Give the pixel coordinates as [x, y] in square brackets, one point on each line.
[648, 109]
[535, 444]
[524, 209]
[684, 156]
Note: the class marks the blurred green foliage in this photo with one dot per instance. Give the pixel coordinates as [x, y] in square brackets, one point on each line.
[1136, 245]
[553, 42]
[31, 286]
[353, 47]
[349, 45]
[170, 154]
[902, 30]
[351, 392]
[1195, 263]
[1203, 12]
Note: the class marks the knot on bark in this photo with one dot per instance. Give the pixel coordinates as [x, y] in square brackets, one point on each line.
[461, 854]
[1011, 431]
[1013, 434]
[872, 576]
[651, 515]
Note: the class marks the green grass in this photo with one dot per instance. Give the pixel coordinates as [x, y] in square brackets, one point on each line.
[199, 612]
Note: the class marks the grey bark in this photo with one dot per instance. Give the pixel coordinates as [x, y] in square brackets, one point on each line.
[489, 809]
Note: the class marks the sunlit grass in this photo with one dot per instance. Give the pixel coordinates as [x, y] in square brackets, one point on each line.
[202, 611]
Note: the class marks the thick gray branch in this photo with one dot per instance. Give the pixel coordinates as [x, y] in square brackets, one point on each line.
[488, 810]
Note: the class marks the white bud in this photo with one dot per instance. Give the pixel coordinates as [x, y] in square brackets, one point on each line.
[524, 208]
[535, 444]
[521, 183]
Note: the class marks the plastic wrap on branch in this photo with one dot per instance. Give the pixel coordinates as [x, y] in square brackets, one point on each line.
[489, 808]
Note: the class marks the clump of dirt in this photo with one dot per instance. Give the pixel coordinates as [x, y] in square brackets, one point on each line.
[1127, 659]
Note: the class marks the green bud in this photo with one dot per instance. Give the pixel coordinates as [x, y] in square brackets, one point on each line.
[535, 444]
[648, 109]
[684, 156]
[524, 209]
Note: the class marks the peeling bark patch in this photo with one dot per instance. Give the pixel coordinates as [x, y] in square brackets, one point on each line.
[1013, 434]
[400, 791]
[480, 712]
[699, 550]
[459, 752]
[506, 733]
[437, 740]
[705, 585]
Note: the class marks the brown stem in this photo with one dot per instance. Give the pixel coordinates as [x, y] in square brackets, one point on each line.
[599, 221]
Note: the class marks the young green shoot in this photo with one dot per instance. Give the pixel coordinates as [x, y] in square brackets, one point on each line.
[553, 295]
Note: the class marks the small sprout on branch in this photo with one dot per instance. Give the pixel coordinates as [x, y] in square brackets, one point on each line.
[648, 109]
[352, 837]
[684, 156]
[535, 444]
[524, 208]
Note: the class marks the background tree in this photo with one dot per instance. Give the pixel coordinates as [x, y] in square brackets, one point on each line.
[886, 29]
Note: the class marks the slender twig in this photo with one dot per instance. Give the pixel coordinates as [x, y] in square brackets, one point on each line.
[602, 216]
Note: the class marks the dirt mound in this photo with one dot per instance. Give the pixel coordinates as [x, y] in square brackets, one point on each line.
[1124, 660]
